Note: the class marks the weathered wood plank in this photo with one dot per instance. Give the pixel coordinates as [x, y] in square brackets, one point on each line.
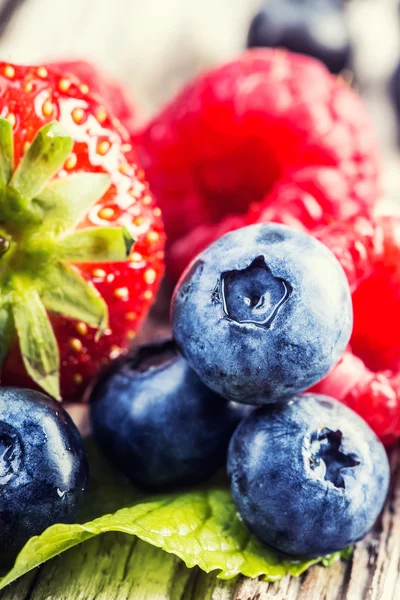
[110, 567]
[375, 570]
[207, 587]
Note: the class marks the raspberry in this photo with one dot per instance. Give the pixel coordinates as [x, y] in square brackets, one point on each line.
[368, 377]
[357, 244]
[373, 395]
[269, 136]
[376, 335]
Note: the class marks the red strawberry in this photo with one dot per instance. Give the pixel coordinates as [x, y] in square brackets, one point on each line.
[269, 136]
[116, 97]
[368, 377]
[72, 197]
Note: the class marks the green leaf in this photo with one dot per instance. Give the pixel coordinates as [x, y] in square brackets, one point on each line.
[95, 244]
[45, 156]
[69, 294]
[65, 201]
[37, 341]
[200, 526]
[6, 152]
[6, 329]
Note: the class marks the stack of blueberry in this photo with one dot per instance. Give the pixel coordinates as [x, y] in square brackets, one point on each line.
[259, 317]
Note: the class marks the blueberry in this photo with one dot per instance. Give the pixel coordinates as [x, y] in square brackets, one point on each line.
[43, 468]
[394, 89]
[157, 422]
[314, 27]
[308, 477]
[263, 313]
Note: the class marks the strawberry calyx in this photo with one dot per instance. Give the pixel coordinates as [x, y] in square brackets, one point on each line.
[39, 244]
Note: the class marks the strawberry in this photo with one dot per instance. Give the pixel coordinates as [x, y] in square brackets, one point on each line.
[74, 287]
[116, 97]
[269, 136]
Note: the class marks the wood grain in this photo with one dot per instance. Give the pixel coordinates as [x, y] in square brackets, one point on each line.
[153, 46]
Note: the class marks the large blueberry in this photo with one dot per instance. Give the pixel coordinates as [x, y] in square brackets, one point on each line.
[157, 422]
[314, 27]
[309, 477]
[43, 468]
[263, 313]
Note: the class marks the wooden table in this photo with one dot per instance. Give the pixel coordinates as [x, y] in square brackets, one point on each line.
[141, 42]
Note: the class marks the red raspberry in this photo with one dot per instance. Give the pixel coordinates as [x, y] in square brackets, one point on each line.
[357, 244]
[269, 136]
[373, 395]
[368, 377]
[376, 336]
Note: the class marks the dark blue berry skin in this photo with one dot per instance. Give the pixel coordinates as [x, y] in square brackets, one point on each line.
[314, 27]
[43, 468]
[157, 422]
[263, 313]
[308, 477]
[394, 90]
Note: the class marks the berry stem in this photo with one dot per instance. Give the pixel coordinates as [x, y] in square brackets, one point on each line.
[47, 153]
